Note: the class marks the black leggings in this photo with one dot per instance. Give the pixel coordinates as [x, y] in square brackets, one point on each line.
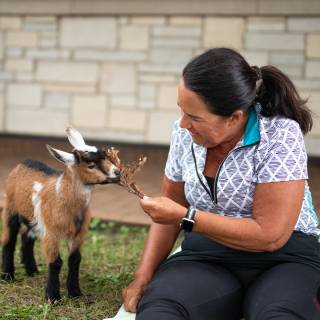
[204, 291]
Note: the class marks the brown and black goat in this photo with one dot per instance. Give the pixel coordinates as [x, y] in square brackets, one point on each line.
[53, 206]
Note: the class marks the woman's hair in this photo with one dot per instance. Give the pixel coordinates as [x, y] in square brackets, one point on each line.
[226, 83]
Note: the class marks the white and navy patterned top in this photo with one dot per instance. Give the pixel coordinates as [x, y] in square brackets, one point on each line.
[271, 150]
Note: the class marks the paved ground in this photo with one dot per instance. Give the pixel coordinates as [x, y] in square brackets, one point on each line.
[112, 202]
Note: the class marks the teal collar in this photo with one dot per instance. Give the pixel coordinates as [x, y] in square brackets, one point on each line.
[252, 131]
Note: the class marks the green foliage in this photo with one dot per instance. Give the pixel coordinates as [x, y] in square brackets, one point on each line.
[109, 257]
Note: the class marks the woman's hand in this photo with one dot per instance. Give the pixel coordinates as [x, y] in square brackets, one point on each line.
[163, 210]
[133, 293]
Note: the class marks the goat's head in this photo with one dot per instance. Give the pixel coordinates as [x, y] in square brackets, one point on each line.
[91, 164]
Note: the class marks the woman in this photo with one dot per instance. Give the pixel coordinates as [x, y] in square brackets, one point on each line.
[236, 182]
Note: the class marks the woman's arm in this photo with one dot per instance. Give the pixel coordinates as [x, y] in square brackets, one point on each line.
[276, 208]
[161, 238]
[158, 245]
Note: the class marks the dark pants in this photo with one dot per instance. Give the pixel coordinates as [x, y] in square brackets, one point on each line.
[202, 289]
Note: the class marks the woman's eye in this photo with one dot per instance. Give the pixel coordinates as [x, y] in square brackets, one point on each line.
[91, 165]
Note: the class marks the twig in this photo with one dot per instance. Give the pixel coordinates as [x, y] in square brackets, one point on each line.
[127, 172]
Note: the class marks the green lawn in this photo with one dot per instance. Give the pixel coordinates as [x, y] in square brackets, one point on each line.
[109, 258]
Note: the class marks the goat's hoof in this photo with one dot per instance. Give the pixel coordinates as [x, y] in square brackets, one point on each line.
[31, 273]
[75, 293]
[53, 298]
[7, 276]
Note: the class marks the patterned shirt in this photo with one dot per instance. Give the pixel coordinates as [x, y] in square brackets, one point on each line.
[271, 149]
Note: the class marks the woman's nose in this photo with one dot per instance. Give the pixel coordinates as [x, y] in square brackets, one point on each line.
[184, 123]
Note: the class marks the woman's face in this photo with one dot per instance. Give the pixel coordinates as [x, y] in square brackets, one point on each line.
[206, 129]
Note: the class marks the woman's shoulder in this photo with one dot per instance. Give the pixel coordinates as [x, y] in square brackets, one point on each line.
[279, 128]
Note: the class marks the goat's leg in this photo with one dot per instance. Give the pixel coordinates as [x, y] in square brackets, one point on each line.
[11, 226]
[75, 257]
[51, 250]
[73, 274]
[27, 254]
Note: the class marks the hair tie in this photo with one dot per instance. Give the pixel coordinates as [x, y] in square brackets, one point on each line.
[258, 73]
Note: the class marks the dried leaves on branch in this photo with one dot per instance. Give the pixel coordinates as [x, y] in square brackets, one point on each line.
[127, 172]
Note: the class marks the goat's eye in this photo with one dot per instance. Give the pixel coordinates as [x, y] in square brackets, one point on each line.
[91, 165]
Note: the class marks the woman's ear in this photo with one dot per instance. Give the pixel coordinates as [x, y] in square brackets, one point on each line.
[236, 118]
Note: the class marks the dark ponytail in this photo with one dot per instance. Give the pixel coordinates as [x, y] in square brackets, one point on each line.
[226, 83]
[278, 96]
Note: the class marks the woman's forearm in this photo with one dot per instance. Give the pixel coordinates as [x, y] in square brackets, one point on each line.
[158, 245]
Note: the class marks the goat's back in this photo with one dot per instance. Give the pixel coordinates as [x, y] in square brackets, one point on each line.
[25, 181]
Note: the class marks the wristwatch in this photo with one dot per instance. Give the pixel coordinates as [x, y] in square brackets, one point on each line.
[188, 221]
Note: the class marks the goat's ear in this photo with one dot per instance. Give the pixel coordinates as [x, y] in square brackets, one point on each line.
[64, 157]
[77, 141]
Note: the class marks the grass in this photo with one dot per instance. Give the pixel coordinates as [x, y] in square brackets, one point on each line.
[109, 258]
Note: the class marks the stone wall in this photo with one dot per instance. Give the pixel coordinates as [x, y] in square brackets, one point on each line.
[115, 77]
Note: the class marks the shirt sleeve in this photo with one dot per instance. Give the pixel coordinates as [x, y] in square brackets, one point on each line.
[173, 168]
[286, 157]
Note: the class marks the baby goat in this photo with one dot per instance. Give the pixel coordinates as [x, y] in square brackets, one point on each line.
[53, 205]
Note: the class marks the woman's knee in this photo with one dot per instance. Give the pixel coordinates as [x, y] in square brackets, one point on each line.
[191, 290]
[286, 291]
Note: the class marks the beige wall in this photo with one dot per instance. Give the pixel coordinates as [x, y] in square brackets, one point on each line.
[115, 76]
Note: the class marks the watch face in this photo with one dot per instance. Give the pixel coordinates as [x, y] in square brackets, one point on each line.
[187, 224]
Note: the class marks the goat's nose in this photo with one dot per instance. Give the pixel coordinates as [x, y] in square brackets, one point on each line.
[117, 172]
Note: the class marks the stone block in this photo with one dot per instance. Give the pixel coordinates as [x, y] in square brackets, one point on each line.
[160, 126]
[14, 52]
[1, 46]
[150, 20]
[67, 72]
[185, 21]
[89, 111]
[40, 24]
[12, 23]
[256, 58]
[118, 78]
[104, 55]
[313, 69]
[24, 76]
[266, 24]
[147, 96]
[69, 88]
[123, 101]
[19, 65]
[176, 31]
[48, 54]
[157, 78]
[168, 96]
[313, 45]
[287, 58]
[223, 32]
[127, 119]
[24, 95]
[188, 43]
[274, 41]
[57, 101]
[293, 71]
[307, 84]
[6, 75]
[21, 39]
[314, 105]
[41, 122]
[2, 112]
[306, 24]
[133, 37]
[88, 32]
[175, 56]
[160, 69]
